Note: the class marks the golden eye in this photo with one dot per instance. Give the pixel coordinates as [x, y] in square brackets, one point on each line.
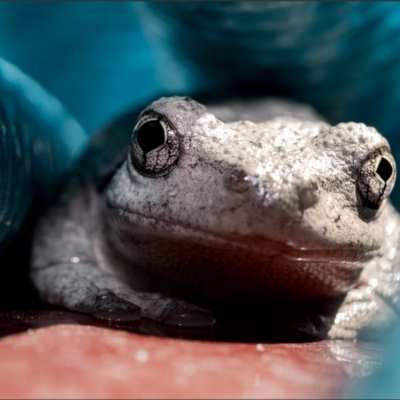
[376, 178]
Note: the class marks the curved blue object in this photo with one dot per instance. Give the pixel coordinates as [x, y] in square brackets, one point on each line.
[39, 142]
[341, 57]
[384, 383]
[92, 56]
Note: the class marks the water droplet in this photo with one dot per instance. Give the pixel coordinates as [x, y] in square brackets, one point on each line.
[75, 260]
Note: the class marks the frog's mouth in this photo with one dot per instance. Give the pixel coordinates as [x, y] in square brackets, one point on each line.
[243, 268]
[132, 221]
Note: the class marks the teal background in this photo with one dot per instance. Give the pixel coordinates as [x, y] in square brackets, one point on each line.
[101, 58]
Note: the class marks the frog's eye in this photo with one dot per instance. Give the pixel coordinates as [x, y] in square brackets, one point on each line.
[376, 178]
[155, 146]
[150, 135]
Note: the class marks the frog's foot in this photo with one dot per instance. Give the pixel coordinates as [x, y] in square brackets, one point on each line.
[364, 314]
[84, 288]
[169, 310]
[105, 304]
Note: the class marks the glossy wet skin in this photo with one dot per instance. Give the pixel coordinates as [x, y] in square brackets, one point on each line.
[254, 212]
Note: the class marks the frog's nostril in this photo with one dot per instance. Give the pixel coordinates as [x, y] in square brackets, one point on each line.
[238, 181]
[308, 195]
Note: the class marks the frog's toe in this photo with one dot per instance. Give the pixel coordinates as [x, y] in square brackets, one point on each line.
[366, 315]
[107, 305]
[179, 313]
[189, 316]
[342, 333]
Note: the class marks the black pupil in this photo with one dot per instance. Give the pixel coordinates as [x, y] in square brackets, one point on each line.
[150, 136]
[384, 170]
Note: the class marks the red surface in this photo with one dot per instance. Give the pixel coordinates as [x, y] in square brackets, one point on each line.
[54, 353]
[73, 361]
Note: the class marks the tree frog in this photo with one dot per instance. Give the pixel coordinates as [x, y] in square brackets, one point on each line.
[249, 204]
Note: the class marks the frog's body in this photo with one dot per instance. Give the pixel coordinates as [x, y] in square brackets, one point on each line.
[285, 211]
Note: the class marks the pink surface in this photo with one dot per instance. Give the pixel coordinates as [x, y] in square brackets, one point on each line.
[73, 361]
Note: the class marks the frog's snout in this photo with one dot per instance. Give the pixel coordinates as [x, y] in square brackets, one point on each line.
[306, 194]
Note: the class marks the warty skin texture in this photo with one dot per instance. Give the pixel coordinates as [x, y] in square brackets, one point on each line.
[265, 213]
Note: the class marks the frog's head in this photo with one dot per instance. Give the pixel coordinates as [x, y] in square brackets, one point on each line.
[280, 211]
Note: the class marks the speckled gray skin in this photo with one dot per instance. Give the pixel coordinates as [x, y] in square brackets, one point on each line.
[271, 213]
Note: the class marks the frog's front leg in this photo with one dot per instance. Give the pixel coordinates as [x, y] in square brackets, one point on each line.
[63, 264]
[82, 287]
[65, 267]
[364, 314]
[373, 307]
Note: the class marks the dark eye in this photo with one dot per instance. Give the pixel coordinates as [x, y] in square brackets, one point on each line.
[376, 178]
[384, 170]
[155, 146]
[150, 136]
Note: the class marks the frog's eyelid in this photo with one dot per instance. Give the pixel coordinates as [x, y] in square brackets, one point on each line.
[144, 117]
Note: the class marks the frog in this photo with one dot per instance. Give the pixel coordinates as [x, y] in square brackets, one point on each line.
[182, 210]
